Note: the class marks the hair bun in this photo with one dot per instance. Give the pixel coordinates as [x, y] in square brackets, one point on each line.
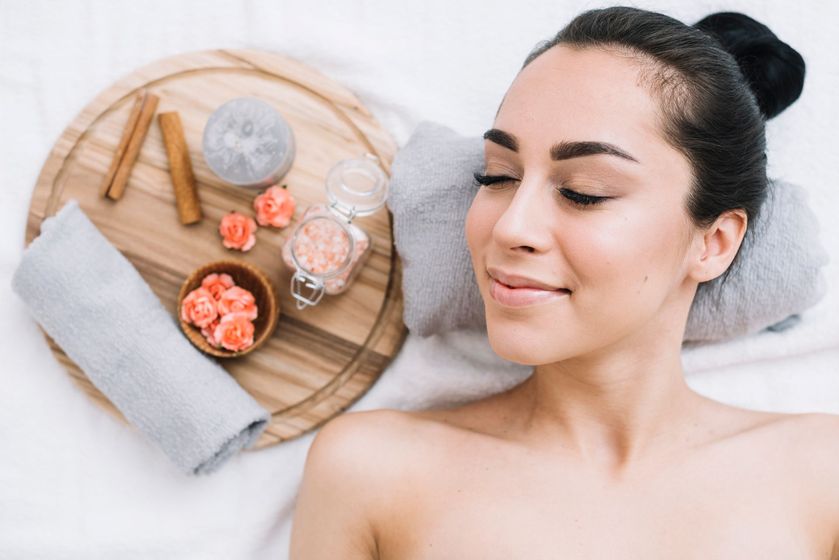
[774, 70]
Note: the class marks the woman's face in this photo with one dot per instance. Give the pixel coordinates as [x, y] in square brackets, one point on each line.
[624, 258]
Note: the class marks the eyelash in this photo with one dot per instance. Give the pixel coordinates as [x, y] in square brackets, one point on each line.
[574, 197]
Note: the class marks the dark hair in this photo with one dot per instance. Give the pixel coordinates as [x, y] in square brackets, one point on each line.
[717, 82]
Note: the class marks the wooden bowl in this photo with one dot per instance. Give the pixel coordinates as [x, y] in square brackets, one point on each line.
[248, 277]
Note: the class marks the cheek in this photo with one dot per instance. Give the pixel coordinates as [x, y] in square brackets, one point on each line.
[478, 228]
[630, 258]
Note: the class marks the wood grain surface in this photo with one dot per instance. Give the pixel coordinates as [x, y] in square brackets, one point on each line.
[320, 359]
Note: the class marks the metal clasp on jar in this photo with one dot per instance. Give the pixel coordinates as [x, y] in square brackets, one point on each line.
[341, 209]
[301, 281]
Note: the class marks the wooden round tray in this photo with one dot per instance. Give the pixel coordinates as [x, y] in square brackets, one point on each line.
[320, 359]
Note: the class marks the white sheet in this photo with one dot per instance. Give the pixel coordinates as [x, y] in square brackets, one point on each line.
[76, 484]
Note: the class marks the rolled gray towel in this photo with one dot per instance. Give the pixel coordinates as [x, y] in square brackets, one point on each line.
[95, 305]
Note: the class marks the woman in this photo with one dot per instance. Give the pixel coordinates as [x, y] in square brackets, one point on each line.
[624, 165]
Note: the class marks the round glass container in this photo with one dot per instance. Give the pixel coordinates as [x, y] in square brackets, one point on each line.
[355, 187]
[247, 143]
[326, 254]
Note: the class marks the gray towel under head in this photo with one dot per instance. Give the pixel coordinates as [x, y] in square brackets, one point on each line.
[95, 305]
[432, 187]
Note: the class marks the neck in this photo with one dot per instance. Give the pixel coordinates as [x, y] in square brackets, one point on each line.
[615, 407]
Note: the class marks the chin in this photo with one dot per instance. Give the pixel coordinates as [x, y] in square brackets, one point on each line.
[519, 342]
[536, 338]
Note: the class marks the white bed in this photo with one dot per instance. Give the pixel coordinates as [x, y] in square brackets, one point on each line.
[74, 483]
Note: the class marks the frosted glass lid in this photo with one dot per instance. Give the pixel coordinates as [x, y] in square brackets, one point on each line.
[357, 187]
[246, 141]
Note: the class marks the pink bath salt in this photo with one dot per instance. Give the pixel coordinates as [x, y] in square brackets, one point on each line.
[322, 249]
[339, 283]
[321, 246]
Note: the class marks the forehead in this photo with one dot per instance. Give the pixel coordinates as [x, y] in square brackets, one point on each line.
[583, 94]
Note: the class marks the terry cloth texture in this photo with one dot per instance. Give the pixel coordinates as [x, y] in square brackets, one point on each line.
[95, 305]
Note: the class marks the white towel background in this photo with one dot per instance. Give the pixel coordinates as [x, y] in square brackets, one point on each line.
[75, 483]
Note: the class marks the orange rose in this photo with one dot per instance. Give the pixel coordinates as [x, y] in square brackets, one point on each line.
[274, 207]
[217, 283]
[237, 231]
[199, 307]
[234, 331]
[209, 333]
[238, 299]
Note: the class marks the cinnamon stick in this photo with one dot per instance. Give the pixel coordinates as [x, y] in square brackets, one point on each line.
[134, 144]
[127, 132]
[180, 167]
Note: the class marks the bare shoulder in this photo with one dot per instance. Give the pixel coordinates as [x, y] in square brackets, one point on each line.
[815, 435]
[376, 431]
[347, 474]
[818, 435]
[369, 447]
[822, 423]
[352, 433]
[812, 437]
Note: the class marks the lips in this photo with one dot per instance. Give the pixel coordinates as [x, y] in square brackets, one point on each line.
[521, 297]
[512, 290]
[519, 282]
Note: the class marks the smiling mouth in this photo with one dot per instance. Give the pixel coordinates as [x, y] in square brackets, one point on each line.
[566, 290]
[534, 285]
[521, 297]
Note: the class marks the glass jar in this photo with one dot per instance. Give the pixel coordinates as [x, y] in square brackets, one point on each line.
[326, 250]
[247, 143]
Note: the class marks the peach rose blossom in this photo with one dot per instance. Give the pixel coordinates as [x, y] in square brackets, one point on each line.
[238, 299]
[274, 207]
[234, 331]
[209, 333]
[217, 283]
[237, 231]
[199, 307]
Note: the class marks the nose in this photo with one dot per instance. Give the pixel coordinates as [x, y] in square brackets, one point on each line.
[524, 226]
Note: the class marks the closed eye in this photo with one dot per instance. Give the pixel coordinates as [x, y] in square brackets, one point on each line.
[575, 197]
[487, 180]
[580, 198]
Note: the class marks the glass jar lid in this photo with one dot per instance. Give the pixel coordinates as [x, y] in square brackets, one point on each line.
[247, 143]
[357, 187]
[321, 246]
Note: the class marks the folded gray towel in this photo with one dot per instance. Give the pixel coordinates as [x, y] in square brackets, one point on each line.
[95, 305]
[431, 189]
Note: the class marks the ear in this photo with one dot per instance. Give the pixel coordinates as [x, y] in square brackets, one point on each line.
[717, 245]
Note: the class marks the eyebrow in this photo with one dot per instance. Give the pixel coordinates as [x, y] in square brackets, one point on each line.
[561, 150]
